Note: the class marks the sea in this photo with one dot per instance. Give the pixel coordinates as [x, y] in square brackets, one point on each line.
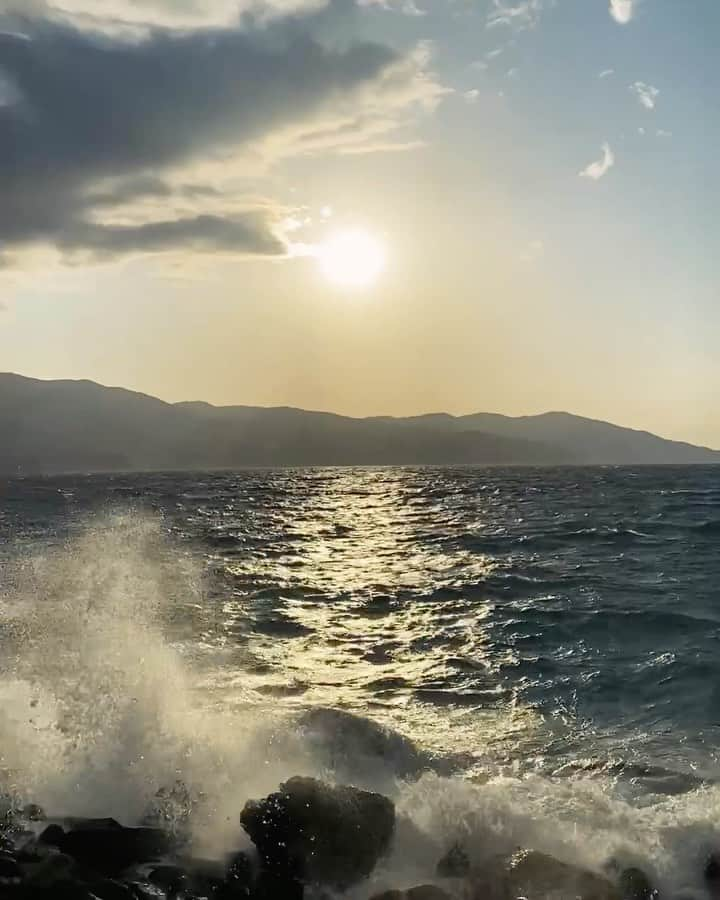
[518, 657]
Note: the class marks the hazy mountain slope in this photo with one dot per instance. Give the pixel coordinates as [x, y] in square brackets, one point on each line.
[81, 426]
[591, 441]
[56, 426]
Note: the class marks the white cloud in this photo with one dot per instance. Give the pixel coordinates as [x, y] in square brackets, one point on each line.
[118, 14]
[113, 15]
[367, 120]
[622, 10]
[471, 96]
[521, 15]
[408, 7]
[606, 73]
[661, 133]
[600, 167]
[647, 94]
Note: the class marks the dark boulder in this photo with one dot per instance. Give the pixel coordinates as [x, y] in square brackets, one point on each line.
[528, 873]
[52, 836]
[353, 743]
[539, 875]
[9, 867]
[712, 874]
[239, 878]
[423, 892]
[31, 812]
[427, 892]
[53, 869]
[171, 879]
[68, 889]
[106, 847]
[635, 885]
[455, 863]
[316, 833]
[113, 890]
[271, 886]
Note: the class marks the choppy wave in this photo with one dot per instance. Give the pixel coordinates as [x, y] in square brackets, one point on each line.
[565, 700]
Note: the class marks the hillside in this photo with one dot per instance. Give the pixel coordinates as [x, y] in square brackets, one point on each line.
[62, 426]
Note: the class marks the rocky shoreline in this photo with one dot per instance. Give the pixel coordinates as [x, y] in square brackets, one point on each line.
[310, 840]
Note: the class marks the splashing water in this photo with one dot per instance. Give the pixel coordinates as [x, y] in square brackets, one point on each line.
[101, 707]
[97, 710]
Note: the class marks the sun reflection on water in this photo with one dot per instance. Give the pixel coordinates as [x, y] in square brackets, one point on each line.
[355, 600]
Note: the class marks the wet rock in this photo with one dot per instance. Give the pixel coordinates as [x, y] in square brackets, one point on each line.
[271, 886]
[113, 890]
[61, 890]
[423, 892]
[427, 892]
[316, 833]
[54, 869]
[144, 891]
[106, 847]
[528, 873]
[75, 824]
[455, 863]
[537, 874]
[635, 885]
[31, 812]
[52, 836]
[354, 742]
[171, 879]
[239, 878]
[712, 874]
[9, 867]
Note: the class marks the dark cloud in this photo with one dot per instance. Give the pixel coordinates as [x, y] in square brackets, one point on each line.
[249, 232]
[86, 109]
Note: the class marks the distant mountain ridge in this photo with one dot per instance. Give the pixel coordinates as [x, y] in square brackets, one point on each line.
[78, 426]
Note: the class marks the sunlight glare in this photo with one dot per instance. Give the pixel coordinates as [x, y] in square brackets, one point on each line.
[352, 258]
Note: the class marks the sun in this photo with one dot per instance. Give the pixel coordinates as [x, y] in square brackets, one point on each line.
[352, 258]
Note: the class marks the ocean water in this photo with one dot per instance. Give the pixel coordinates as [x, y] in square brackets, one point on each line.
[547, 639]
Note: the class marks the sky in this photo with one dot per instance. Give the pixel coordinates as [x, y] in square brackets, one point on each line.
[367, 206]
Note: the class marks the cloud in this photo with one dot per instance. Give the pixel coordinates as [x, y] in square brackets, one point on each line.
[600, 167]
[521, 15]
[407, 7]
[383, 147]
[114, 15]
[606, 73]
[646, 94]
[111, 144]
[622, 10]
[471, 96]
[249, 233]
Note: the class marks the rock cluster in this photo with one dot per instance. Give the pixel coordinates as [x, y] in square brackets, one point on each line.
[308, 833]
[310, 839]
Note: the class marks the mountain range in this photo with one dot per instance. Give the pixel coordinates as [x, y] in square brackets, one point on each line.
[49, 427]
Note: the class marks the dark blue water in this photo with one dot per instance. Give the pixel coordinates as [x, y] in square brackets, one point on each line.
[563, 617]
[548, 639]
